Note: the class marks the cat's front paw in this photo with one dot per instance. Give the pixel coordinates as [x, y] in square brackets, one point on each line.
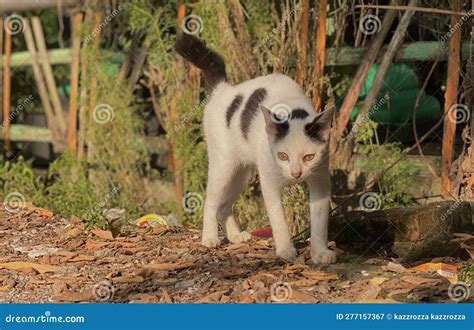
[288, 253]
[240, 237]
[324, 256]
[211, 242]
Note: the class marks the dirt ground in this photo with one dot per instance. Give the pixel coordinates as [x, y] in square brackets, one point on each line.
[46, 258]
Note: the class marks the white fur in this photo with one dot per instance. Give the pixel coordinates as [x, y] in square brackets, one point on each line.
[232, 159]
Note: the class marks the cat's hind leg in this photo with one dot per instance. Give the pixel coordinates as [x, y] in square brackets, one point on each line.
[236, 186]
[225, 183]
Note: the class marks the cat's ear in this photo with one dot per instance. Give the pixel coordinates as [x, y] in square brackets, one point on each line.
[320, 127]
[270, 124]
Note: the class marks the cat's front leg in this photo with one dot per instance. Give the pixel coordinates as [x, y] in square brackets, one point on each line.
[272, 196]
[319, 198]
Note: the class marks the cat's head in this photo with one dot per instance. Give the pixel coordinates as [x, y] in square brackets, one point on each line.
[298, 140]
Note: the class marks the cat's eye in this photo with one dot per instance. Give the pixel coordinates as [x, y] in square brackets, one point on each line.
[308, 158]
[282, 156]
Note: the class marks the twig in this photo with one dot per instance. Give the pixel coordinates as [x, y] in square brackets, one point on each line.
[48, 73]
[76, 49]
[320, 52]
[51, 118]
[415, 133]
[6, 86]
[415, 8]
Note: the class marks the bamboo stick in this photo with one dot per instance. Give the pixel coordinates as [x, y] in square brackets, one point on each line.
[93, 83]
[301, 64]
[6, 87]
[320, 52]
[76, 49]
[358, 81]
[48, 73]
[450, 99]
[51, 118]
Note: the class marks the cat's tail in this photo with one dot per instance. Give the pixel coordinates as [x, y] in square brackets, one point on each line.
[195, 51]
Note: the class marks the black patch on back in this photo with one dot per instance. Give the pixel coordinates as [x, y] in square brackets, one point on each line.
[233, 107]
[299, 114]
[250, 110]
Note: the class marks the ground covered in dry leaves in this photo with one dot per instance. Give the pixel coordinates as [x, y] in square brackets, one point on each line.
[46, 258]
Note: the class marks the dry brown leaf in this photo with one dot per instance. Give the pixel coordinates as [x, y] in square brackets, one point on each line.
[19, 265]
[72, 233]
[421, 280]
[93, 245]
[144, 298]
[213, 297]
[43, 212]
[81, 257]
[399, 291]
[378, 301]
[105, 234]
[127, 279]
[238, 247]
[170, 266]
[74, 296]
[300, 297]
[165, 297]
[318, 275]
[303, 283]
[396, 268]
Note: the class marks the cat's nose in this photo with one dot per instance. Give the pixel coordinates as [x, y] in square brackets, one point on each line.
[296, 175]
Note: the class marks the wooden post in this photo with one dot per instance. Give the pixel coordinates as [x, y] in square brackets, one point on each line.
[358, 81]
[320, 52]
[48, 74]
[301, 64]
[51, 119]
[76, 49]
[450, 99]
[6, 86]
[1, 66]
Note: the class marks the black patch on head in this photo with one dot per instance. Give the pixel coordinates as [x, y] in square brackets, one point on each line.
[233, 107]
[282, 130]
[318, 129]
[299, 114]
[250, 110]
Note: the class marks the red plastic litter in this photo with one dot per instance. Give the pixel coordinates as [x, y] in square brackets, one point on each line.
[264, 232]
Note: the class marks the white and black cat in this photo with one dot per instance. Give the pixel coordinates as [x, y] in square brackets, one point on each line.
[243, 132]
